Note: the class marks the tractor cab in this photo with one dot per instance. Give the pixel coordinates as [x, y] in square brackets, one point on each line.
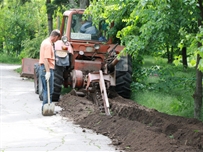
[78, 27]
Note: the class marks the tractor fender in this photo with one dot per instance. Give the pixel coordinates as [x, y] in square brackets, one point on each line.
[118, 48]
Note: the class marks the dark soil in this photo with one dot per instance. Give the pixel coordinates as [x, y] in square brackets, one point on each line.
[134, 128]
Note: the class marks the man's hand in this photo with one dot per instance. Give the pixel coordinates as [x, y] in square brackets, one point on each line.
[47, 76]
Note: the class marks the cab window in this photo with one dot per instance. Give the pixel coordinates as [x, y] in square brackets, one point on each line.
[84, 29]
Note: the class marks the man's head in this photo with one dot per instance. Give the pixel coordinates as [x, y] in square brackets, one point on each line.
[55, 35]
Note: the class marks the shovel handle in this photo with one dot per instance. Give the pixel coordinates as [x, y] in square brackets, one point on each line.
[48, 92]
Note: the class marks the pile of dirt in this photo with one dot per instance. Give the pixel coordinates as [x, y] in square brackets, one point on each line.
[135, 128]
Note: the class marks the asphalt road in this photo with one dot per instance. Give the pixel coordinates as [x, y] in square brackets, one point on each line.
[23, 128]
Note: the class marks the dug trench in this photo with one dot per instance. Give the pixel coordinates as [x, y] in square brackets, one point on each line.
[135, 128]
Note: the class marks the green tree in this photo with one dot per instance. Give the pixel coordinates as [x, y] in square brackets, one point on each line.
[37, 29]
[153, 26]
[22, 23]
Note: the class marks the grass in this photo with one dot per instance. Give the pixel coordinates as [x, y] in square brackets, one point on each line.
[165, 103]
[149, 61]
[168, 88]
[10, 59]
[65, 90]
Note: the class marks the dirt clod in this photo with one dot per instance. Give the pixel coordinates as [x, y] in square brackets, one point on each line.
[132, 127]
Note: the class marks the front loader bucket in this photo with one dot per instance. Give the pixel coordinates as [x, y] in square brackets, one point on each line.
[28, 67]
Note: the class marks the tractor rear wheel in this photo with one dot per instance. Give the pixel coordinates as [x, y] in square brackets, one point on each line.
[124, 79]
[37, 81]
[36, 77]
[58, 81]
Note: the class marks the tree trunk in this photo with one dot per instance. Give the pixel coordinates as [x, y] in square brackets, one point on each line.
[170, 54]
[184, 57]
[49, 16]
[198, 91]
[50, 22]
[1, 46]
[84, 3]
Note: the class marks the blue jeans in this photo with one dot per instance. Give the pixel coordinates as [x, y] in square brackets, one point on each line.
[42, 73]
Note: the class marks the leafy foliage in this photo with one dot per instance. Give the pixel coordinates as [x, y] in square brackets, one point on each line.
[20, 27]
[149, 27]
[166, 88]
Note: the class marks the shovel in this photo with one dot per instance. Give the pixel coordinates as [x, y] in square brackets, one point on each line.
[48, 109]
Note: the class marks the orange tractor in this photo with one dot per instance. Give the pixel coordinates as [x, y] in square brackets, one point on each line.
[88, 62]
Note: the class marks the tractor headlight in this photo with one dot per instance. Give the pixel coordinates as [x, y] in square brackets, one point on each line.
[96, 46]
[64, 39]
